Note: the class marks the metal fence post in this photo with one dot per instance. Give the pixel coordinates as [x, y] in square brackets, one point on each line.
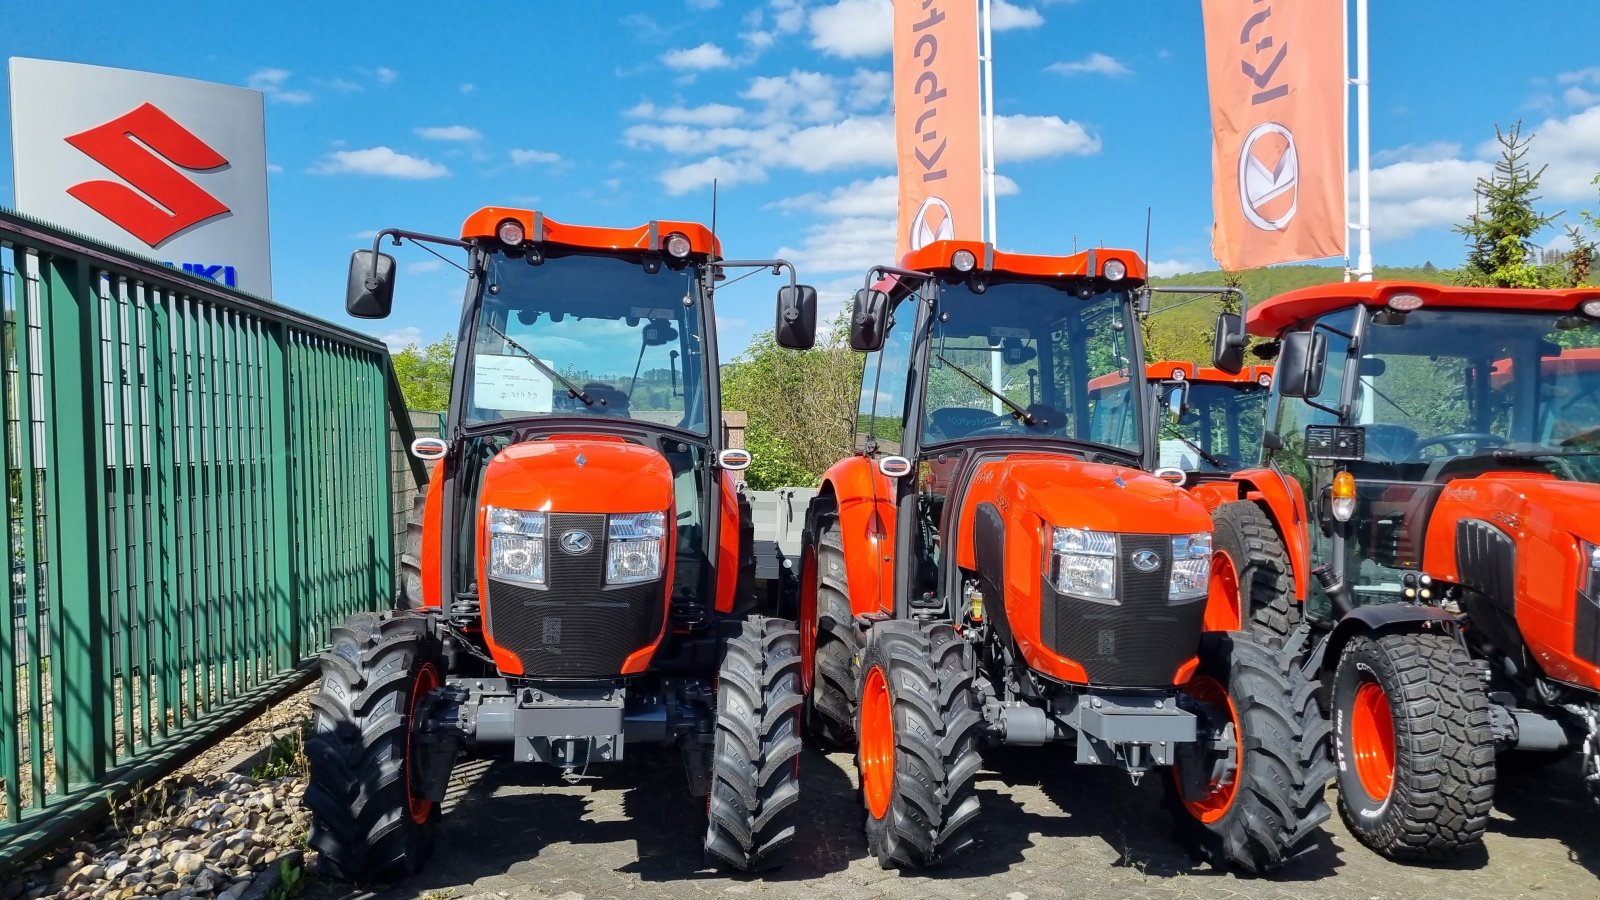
[285, 598]
[75, 535]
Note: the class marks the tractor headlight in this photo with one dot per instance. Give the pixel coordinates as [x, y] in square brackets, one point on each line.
[635, 543]
[1191, 567]
[1083, 563]
[516, 545]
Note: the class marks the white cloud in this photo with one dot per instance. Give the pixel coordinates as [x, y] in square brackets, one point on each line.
[274, 169]
[1590, 75]
[710, 115]
[449, 133]
[1577, 96]
[853, 28]
[852, 244]
[273, 83]
[1018, 138]
[387, 75]
[468, 88]
[704, 4]
[527, 157]
[380, 161]
[851, 142]
[1411, 196]
[1005, 187]
[683, 179]
[803, 96]
[869, 90]
[706, 56]
[1093, 64]
[1005, 16]
[867, 197]
[424, 265]
[401, 338]
[1167, 268]
[1571, 148]
[1429, 152]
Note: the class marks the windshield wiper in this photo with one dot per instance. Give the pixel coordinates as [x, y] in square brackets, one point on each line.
[572, 389]
[1536, 452]
[1193, 446]
[1016, 411]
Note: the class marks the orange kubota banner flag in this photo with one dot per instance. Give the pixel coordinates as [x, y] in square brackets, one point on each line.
[1276, 70]
[936, 122]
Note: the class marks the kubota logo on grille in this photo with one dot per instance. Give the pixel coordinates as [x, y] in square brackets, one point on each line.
[141, 148]
[576, 543]
[1145, 560]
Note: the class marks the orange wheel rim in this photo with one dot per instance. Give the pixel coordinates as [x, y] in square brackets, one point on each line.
[1372, 740]
[1223, 593]
[427, 680]
[808, 619]
[877, 743]
[1218, 799]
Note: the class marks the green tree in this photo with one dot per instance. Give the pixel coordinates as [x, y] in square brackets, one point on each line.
[424, 373]
[802, 406]
[1585, 252]
[1500, 248]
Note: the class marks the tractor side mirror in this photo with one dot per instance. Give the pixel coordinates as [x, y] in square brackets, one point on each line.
[797, 317]
[369, 293]
[869, 320]
[1302, 362]
[1227, 346]
[1175, 398]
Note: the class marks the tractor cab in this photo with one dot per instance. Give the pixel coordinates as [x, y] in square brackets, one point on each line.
[1208, 421]
[1401, 396]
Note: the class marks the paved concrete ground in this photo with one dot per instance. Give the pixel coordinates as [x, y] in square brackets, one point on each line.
[1049, 829]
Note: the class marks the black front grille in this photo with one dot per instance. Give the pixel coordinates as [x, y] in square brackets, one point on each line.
[1486, 561]
[1140, 640]
[575, 627]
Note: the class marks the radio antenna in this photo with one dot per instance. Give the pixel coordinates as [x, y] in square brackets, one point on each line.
[1147, 237]
[713, 214]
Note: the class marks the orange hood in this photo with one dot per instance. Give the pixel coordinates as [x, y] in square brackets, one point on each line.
[1101, 497]
[578, 474]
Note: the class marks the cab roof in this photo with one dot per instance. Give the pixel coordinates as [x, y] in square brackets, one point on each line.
[542, 229]
[1168, 370]
[937, 256]
[1272, 316]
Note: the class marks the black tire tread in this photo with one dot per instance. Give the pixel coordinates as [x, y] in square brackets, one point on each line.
[937, 728]
[360, 823]
[1445, 765]
[750, 823]
[1286, 764]
[831, 708]
[410, 596]
[1244, 530]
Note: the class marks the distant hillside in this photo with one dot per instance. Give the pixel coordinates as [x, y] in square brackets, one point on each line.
[1180, 326]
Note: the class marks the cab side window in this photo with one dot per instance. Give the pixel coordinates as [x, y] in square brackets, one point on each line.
[881, 413]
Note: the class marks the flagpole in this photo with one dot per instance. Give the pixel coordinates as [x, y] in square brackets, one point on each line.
[1363, 159]
[996, 369]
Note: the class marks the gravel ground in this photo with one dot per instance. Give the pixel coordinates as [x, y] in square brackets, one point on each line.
[205, 831]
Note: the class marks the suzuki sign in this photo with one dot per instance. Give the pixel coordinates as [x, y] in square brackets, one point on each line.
[166, 167]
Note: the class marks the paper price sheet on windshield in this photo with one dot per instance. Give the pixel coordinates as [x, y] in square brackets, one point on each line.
[511, 384]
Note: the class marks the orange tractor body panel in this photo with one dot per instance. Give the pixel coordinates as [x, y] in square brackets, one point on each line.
[938, 255]
[576, 474]
[539, 228]
[432, 534]
[727, 559]
[1277, 314]
[865, 500]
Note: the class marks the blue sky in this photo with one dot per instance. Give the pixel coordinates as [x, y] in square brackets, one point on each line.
[414, 114]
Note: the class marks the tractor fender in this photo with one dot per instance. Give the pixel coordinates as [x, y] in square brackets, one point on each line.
[864, 498]
[1384, 618]
[433, 537]
[727, 565]
[1285, 504]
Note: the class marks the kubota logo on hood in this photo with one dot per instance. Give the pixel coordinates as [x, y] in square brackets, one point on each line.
[142, 147]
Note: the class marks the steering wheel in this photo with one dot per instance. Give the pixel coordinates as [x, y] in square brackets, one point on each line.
[1004, 423]
[1479, 440]
[1389, 443]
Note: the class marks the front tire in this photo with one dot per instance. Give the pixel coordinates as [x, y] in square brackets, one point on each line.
[1414, 745]
[411, 556]
[830, 641]
[919, 725]
[368, 820]
[1249, 793]
[755, 777]
[1245, 540]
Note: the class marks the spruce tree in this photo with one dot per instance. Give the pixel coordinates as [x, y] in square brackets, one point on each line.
[1500, 250]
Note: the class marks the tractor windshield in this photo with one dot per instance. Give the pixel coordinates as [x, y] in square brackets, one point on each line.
[628, 338]
[1444, 387]
[1220, 430]
[1039, 347]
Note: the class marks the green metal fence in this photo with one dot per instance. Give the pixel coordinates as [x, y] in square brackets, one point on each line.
[199, 484]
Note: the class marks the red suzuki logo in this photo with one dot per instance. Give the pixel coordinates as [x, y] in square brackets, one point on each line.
[124, 145]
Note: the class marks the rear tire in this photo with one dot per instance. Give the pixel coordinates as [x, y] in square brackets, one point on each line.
[410, 596]
[1245, 535]
[1414, 745]
[1258, 803]
[745, 598]
[832, 638]
[367, 820]
[918, 758]
[755, 766]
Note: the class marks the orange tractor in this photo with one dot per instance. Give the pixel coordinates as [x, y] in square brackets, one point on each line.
[997, 566]
[578, 576]
[1417, 531]
[1213, 421]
